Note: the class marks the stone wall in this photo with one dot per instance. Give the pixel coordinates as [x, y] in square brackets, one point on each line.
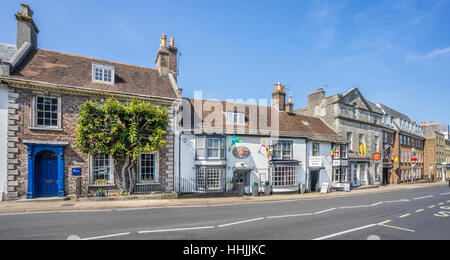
[20, 129]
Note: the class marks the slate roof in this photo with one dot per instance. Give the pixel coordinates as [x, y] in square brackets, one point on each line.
[290, 124]
[6, 52]
[394, 113]
[71, 70]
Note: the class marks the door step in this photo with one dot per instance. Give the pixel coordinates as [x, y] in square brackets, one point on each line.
[44, 199]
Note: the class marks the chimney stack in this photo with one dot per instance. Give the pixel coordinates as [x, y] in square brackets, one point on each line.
[290, 106]
[166, 60]
[316, 98]
[27, 30]
[279, 97]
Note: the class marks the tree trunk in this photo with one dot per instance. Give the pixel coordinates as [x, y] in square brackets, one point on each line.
[132, 173]
[124, 185]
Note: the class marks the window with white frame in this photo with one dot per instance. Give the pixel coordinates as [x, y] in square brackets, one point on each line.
[282, 150]
[210, 147]
[315, 149]
[148, 168]
[101, 169]
[47, 111]
[235, 117]
[209, 178]
[284, 176]
[103, 74]
[340, 175]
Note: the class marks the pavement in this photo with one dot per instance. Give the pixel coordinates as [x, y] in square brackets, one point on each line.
[88, 205]
[407, 212]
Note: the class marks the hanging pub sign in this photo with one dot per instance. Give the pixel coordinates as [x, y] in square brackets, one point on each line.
[377, 156]
[241, 152]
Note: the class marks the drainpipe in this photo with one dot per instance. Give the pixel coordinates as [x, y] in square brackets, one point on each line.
[307, 167]
[179, 162]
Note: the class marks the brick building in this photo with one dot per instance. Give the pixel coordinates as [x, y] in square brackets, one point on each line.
[435, 150]
[402, 139]
[46, 89]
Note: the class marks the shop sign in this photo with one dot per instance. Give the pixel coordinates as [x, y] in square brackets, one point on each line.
[344, 163]
[377, 156]
[315, 162]
[241, 152]
[336, 163]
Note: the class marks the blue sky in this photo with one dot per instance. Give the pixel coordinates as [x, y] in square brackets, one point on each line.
[395, 52]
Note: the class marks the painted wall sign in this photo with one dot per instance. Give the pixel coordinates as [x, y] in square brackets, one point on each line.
[241, 152]
[315, 162]
[76, 171]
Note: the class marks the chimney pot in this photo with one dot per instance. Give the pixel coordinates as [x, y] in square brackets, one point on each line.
[172, 42]
[162, 42]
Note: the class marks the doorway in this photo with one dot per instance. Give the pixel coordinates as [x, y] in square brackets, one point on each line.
[315, 178]
[46, 174]
[242, 182]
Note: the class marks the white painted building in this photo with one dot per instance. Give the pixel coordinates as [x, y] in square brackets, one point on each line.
[299, 149]
[6, 52]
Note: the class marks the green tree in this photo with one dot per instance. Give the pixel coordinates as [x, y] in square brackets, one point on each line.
[122, 131]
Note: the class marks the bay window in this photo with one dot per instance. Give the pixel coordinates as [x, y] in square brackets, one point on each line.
[284, 176]
[210, 179]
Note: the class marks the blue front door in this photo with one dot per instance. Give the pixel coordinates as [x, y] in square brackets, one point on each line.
[46, 174]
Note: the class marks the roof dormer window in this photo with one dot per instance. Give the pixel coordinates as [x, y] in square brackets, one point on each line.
[102, 74]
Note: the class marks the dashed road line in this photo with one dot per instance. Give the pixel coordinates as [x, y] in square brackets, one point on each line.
[240, 222]
[290, 216]
[175, 229]
[425, 197]
[320, 212]
[440, 204]
[420, 210]
[433, 206]
[442, 194]
[406, 215]
[106, 236]
[395, 201]
[345, 232]
[354, 207]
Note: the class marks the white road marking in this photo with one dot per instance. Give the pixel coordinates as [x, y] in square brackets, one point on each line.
[406, 215]
[426, 197]
[240, 222]
[395, 201]
[328, 210]
[107, 236]
[376, 204]
[373, 237]
[445, 193]
[354, 207]
[440, 204]
[173, 230]
[420, 210]
[289, 216]
[345, 232]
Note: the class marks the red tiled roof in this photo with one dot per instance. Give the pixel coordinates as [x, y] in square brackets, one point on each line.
[71, 70]
[290, 124]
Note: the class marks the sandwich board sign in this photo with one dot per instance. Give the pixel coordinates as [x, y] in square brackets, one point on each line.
[325, 187]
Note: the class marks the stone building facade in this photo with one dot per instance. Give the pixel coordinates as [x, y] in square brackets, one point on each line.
[45, 91]
[357, 120]
[435, 152]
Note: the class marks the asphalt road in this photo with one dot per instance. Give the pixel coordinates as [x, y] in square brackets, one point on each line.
[401, 215]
